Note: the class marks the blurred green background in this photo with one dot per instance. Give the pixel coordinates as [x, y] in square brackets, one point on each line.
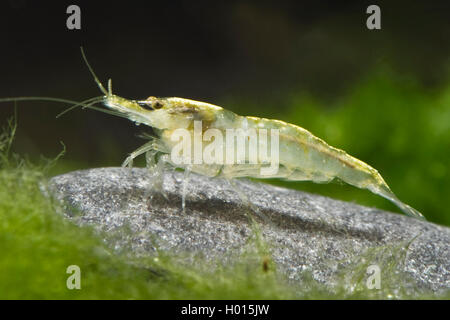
[381, 95]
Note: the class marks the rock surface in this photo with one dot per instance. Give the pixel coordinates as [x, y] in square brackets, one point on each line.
[305, 232]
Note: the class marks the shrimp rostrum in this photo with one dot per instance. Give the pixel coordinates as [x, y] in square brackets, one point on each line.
[298, 154]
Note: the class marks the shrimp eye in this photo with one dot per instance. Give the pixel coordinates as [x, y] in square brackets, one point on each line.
[157, 105]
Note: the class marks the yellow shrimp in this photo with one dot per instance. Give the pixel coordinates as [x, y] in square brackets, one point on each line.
[302, 156]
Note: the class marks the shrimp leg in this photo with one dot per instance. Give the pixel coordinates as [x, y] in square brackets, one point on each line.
[157, 178]
[186, 175]
[141, 150]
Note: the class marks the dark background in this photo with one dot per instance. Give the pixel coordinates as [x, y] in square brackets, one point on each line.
[247, 56]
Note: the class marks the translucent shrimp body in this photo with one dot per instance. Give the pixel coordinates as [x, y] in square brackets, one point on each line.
[302, 156]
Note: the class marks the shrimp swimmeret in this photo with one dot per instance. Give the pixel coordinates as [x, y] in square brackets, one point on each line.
[301, 156]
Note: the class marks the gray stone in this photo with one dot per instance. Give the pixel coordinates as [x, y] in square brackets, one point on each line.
[305, 232]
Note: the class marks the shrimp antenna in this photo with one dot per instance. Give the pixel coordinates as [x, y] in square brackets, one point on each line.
[99, 84]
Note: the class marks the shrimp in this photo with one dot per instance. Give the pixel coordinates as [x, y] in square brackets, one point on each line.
[302, 156]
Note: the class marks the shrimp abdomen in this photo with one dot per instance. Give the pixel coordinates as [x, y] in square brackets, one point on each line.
[307, 157]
